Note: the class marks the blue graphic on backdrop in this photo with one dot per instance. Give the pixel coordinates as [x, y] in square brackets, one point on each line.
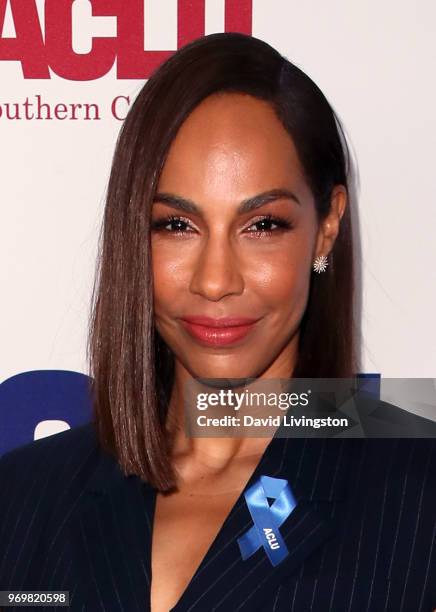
[370, 383]
[31, 400]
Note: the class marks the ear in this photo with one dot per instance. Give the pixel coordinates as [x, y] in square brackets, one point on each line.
[329, 226]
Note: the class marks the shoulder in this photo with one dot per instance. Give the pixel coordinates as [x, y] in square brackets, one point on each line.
[43, 484]
[49, 464]
[396, 474]
[77, 436]
[68, 443]
[397, 444]
[397, 456]
[393, 504]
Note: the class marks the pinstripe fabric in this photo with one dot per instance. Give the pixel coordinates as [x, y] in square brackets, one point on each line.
[362, 537]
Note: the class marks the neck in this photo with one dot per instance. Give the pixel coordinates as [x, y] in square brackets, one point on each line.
[214, 452]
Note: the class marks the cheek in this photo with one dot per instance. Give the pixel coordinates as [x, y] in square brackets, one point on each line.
[170, 276]
[282, 279]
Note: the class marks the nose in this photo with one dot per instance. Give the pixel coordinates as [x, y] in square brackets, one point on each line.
[217, 270]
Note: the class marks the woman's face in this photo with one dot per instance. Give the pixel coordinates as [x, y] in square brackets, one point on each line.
[234, 235]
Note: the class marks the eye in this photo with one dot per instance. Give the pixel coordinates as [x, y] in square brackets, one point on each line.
[171, 224]
[266, 225]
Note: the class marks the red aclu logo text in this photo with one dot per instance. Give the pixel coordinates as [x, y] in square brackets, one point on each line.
[38, 52]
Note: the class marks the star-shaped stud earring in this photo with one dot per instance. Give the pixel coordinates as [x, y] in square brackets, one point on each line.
[320, 264]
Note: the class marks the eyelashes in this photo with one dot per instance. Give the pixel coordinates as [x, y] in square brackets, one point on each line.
[181, 225]
[162, 223]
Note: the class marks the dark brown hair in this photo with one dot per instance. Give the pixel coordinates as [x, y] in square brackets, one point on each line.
[131, 366]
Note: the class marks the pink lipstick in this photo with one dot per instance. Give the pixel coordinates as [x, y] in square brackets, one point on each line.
[218, 332]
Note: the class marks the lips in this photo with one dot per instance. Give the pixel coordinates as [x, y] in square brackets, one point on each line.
[218, 332]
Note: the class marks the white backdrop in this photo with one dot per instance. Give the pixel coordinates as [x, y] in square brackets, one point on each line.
[375, 62]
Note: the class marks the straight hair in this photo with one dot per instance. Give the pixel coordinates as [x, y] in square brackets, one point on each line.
[131, 367]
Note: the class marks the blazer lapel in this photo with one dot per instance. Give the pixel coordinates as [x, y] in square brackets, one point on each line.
[112, 533]
[317, 471]
[111, 538]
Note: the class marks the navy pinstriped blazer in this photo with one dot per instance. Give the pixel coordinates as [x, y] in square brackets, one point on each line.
[362, 537]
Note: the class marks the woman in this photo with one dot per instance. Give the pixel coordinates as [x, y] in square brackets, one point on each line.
[227, 252]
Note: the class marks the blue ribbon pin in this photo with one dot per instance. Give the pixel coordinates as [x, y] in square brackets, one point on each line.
[267, 519]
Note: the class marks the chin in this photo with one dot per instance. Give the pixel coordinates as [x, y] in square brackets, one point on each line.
[228, 370]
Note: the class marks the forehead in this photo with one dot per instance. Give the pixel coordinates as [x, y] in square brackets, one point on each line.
[231, 146]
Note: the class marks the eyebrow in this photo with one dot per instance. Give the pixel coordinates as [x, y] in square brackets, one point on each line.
[245, 206]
